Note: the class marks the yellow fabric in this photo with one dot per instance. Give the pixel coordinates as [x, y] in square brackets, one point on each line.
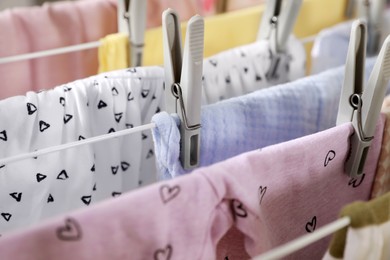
[237, 28]
[114, 52]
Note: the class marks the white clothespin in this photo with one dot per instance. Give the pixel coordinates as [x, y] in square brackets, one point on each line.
[183, 81]
[373, 12]
[278, 22]
[359, 105]
[132, 20]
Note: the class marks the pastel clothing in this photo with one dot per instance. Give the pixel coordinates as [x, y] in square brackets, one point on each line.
[381, 184]
[114, 52]
[53, 25]
[251, 67]
[253, 121]
[38, 188]
[269, 195]
[331, 45]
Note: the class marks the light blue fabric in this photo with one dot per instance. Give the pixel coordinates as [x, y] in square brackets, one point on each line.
[256, 120]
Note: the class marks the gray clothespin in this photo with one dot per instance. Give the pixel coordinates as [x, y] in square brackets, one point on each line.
[360, 105]
[278, 22]
[183, 81]
[132, 20]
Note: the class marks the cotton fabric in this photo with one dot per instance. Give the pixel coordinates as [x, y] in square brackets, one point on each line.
[368, 236]
[297, 186]
[114, 52]
[251, 67]
[256, 120]
[331, 45]
[53, 25]
[38, 188]
[381, 184]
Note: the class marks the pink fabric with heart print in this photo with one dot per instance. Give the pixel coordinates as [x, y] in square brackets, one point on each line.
[267, 196]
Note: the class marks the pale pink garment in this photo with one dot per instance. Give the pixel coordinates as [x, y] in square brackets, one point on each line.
[55, 25]
[271, 196]
[185, 9]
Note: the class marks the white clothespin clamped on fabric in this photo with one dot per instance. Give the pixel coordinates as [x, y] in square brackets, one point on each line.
[360, 105]
[278, 22]
[373, 12]
[183, 81]
[132, 20]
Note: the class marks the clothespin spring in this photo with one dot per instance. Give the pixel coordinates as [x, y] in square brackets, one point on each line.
[357, 103]
[177, 93]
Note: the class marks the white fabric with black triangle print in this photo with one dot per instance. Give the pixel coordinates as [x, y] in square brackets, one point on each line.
[251, 67]
[42, 187]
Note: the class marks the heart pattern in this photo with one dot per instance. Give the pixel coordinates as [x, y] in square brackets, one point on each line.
[168, 193]
[262, 190]
[238, 209]
[163, 254]
[356, 182]
[71, 231]
[311, 225]
[329, 157]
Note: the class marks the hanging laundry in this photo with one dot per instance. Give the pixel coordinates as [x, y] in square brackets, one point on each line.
[331, 45]
[251, 67]
[381, 184]
[254, 121]
[54, 25]
[368, 236]
[41, 187]
[114, 52]
[293, 188]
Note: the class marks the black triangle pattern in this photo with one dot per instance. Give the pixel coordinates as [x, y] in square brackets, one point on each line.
[114, 169]
[81, 137]
[50, 198]
[16, 195]
[150, 154]
[145, 93]
[63, 175]
[2, 166]
[31, 108]
[125, 166]
[6, 216]
[130, 97]
[144, 136]
[62, 101]
[158, 110]
[118, 117]
[129, 125]
[94, 187]
[40, 177]
[66, 88]
[86, 199]
[112, 130]
[3, 135]
[43, 126]
[93, 168]
[116, 194]
[67, 118]
[213, 62]
[114, 91]
[101, 104]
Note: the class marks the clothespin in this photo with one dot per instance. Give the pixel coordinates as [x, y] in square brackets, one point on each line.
[132, 20]
[183, 81]
[360, 105]
[373, 12]
[278, 22]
